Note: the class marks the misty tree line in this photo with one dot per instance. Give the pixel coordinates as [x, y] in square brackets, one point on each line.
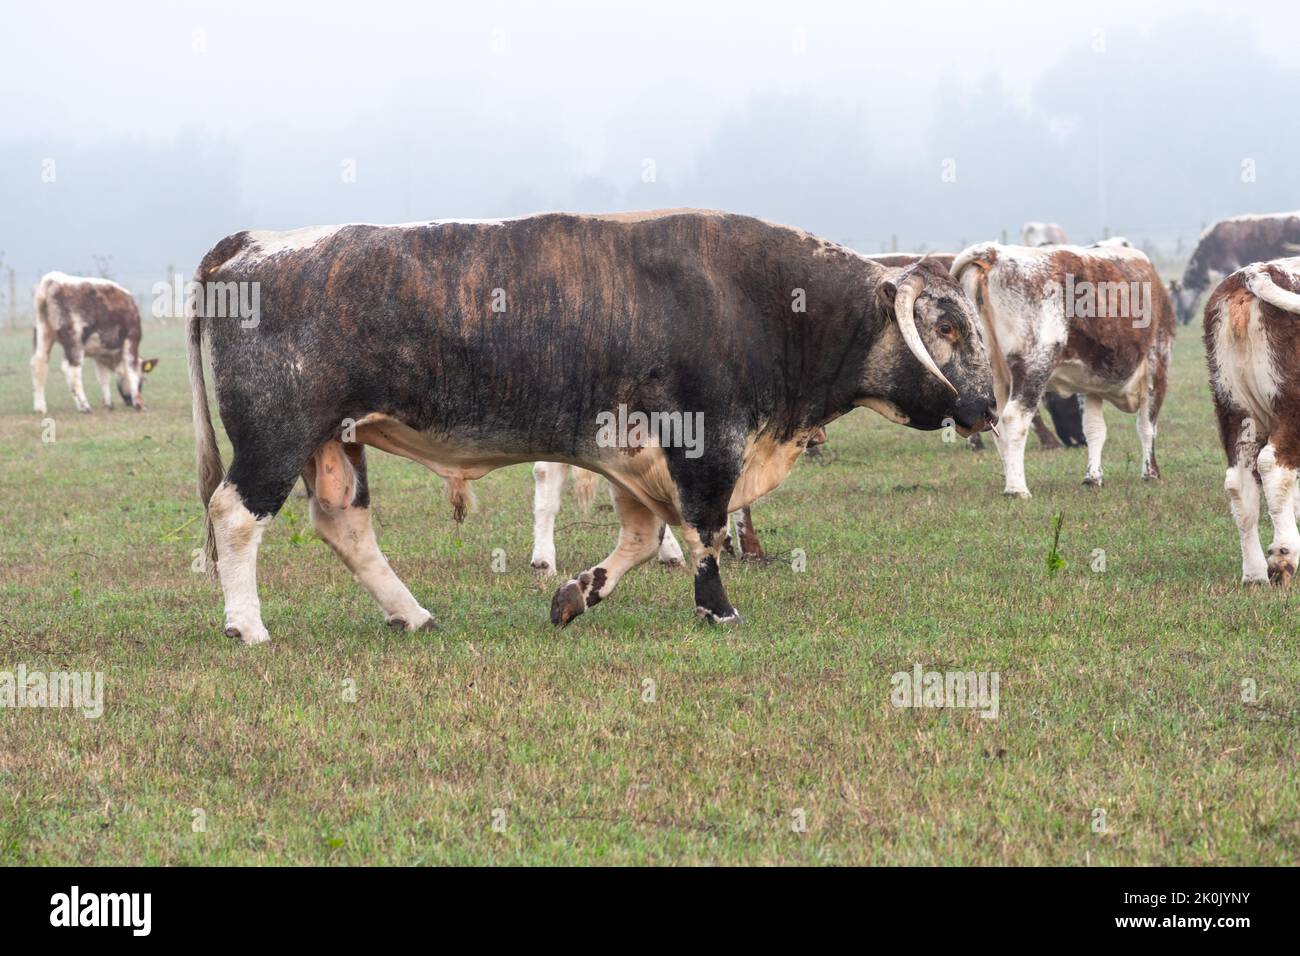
[1137, 138]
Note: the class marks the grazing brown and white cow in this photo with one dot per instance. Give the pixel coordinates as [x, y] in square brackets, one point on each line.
[1228, 245]
[1043, 234]
[466, 346]
[1252, 344]
[548, 490]
[1093, 320]
[88, 317]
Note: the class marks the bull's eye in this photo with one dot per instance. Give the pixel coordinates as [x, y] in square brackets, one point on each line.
[947, 330]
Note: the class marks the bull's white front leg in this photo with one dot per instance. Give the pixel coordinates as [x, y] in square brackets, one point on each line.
[238, 534]
[1279, 487]
[72, 375]
[1243, 499]
[1094, 433]
[1013, 424]
[548, 487]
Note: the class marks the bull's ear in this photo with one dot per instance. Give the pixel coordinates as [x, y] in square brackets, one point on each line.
[887, 292]
[148, 365]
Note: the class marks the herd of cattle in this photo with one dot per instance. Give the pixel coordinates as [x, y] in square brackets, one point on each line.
[469, 345]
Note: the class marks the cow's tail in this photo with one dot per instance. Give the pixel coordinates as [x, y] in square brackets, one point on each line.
[584, 487]
[206, 453]
[1262, 285]
[982, 254]
[42, 315]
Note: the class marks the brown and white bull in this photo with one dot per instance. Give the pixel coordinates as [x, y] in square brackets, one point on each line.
[466, 346]
[1252, 345]
[1227, 246]
[88, 317]
[1092, 320]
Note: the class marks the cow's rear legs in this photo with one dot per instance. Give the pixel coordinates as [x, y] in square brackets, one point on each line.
[1094, 433]
[40, 366]
[548, 489]
[1243, 498]
[638, 540]
[1277, 474]
[1146, 429]
[340, 513]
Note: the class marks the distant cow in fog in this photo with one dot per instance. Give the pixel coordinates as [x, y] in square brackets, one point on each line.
[88, 317]
[1043, 234]
[1093, 320]
[1252, 344]
[1227, 246]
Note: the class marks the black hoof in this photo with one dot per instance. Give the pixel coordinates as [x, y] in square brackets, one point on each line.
[567, 604]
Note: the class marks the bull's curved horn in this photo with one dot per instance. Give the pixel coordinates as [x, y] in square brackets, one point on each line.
[908, 290]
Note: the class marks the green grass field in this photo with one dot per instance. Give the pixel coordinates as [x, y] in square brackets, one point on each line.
[1120, 690]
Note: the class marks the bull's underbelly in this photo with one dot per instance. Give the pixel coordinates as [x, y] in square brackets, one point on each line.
[643, 472]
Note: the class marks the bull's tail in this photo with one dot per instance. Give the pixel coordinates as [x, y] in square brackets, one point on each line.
[584, 487]
[1261, 283]
[207, 455]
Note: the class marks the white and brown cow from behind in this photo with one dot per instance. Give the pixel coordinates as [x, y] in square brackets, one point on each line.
[93, 318]
[1252, 344]
[1093, 320]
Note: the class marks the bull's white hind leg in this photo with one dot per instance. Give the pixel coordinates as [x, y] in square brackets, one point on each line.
[1146, 429]
[638, 539]
[670, 552]
[105, 375]
[1094, 433]
[1279, 494]
[1013, 423]
[72, 374]
[238, 534]
[340, 513]
[40, 367]
[1243, 499]
[548, 488]
[351, 535]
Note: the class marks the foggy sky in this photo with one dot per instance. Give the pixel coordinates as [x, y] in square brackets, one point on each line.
[168, 126]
